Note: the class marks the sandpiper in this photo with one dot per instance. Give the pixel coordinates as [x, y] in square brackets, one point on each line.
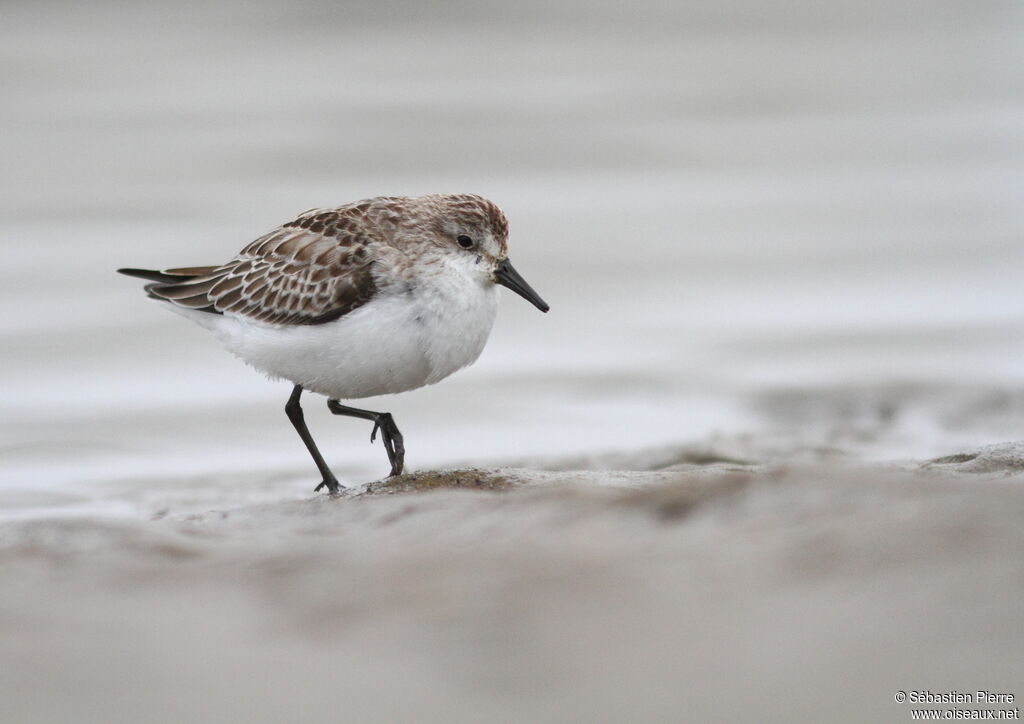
[375, 297]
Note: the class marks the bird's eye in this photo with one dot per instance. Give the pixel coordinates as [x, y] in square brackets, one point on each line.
[464, 241]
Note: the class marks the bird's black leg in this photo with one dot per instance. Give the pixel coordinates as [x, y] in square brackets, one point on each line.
[294, 412]
[389, 434]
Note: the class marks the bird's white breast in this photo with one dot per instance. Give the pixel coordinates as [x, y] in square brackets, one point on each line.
[407, 336]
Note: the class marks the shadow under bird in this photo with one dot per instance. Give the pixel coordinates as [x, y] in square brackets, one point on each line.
[375, 297]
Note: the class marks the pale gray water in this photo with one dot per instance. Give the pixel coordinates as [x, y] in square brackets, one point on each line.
[782, 243]
[746, 218]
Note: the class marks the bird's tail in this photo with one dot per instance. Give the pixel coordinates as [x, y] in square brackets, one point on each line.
[172, 285]
[169, 276]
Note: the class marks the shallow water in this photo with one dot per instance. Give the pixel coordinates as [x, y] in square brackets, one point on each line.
[782, 244]
[747, 221]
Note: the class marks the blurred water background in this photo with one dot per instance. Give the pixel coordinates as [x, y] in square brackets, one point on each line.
[794, 223]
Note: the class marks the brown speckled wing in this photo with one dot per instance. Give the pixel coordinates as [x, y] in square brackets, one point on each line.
[310, 271]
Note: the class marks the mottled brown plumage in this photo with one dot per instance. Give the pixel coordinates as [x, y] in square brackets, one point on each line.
[318, 267]
[304, 272]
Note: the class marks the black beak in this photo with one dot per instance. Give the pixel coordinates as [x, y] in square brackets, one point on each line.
[506, 275]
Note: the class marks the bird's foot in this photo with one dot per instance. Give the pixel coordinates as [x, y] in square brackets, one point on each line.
[382, 423]
[394, 444]
[331, 484]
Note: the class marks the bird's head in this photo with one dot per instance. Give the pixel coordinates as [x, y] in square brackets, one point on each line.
[475, 232]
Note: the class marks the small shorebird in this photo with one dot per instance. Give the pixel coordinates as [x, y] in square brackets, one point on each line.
[371, 298]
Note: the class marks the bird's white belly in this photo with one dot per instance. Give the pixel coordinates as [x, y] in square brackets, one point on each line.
[395, 342]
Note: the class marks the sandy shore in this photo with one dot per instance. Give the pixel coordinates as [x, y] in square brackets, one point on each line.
[787, 234]
[716, 591]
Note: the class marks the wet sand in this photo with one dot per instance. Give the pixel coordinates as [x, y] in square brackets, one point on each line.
[740, 472]
[717, 591]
